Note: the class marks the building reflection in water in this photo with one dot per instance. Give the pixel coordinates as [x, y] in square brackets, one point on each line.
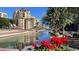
[25, 40]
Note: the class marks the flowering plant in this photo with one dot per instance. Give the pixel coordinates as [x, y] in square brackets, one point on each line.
[55, 43]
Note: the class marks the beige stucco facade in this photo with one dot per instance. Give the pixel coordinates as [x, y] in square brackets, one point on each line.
[24, 20]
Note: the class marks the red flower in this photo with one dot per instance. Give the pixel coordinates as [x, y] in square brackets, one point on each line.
[57, 40]
[45, 43]
[65, 39]
[51, 46]
[54, 39]
[59, 43]
[35, 45]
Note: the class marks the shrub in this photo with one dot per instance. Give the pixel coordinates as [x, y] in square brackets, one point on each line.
[56, 43]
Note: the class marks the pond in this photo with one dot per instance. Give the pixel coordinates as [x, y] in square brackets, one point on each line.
[16, 41]
[21, 40]
[43, 35]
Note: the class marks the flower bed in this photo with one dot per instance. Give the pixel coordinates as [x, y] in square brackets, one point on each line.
[55, 44]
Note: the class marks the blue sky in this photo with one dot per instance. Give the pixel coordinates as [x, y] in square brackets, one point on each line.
[38, 12]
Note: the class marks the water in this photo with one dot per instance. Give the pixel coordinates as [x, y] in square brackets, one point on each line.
[21, 40]
[16, 41]
[43, 35]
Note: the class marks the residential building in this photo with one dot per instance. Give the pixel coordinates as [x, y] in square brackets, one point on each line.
[23, 19]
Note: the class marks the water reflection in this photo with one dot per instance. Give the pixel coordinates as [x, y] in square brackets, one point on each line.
[22, 40]
[43, 35]
[17, 41]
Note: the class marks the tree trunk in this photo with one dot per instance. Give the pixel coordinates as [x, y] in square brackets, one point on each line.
[63, 30]
[63, 26]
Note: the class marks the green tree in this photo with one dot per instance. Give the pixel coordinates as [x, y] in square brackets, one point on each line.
[58, 17]
[12, 21]
[36, 24]
[4, 22]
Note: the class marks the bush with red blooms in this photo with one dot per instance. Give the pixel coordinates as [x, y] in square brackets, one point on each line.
[59, 41]
[45, 43]
[51, 46]
[65, 39]
[35, 45]
[56, 42]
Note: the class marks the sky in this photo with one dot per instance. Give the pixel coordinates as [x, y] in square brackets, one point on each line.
[38, 12]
